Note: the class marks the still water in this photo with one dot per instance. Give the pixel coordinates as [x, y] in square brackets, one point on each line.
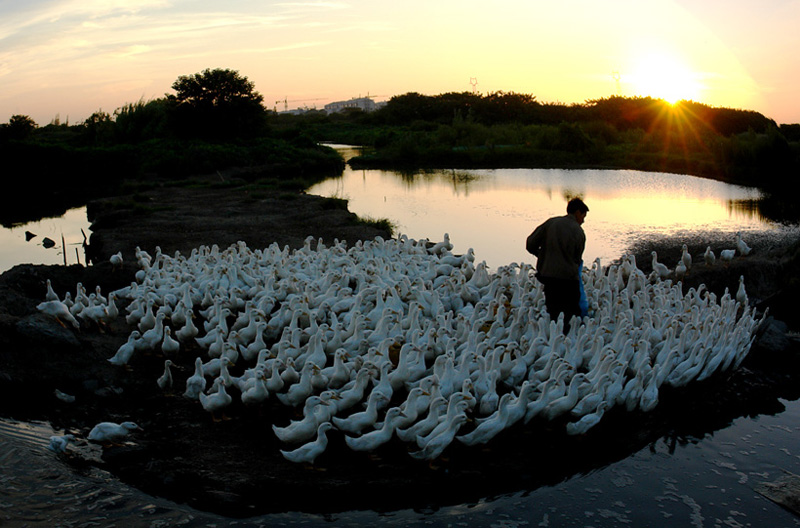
[30, 243]
[493, 211]
[703, 480]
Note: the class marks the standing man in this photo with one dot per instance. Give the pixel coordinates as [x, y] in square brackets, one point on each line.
[558, 246]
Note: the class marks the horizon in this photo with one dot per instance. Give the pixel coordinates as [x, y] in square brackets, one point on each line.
[65, 59]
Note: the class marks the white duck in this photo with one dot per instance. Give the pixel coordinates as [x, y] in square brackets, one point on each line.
[374, 439]
[686, 257]
[165, 380]
[256, 345]
[727, 255]
[356, 422]
[110, 432]
[275, 382]
[436, 445]
[116, 260]
[709, 257]
[587, 421]
[491, 426]
[339, 373]
[213, 366]
[216, 402]
[50, 294]
[437, 408]
[126, 350]
[741, 294]
[741, 245]
[303, 429]
[96, 313]
[152, 337]
[63, 396]
[58, 443]
[455, 406]
[196, 383]
[308, 453]
[535, 407]
[680, 270]
[416, 402]
[188, 330]
[565, 403]
[353, 392]
[661, 270]
[60, 311]
[169, 345]
[258, 392]
[298, 392]
[148, 317]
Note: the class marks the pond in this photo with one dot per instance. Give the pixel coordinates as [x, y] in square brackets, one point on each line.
[695, 481]
[706, 478]
[56, 240]
[493, 211]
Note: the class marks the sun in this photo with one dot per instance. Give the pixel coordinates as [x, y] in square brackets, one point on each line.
[664, 76]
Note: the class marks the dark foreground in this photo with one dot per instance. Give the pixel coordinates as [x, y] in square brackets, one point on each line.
[234, 466]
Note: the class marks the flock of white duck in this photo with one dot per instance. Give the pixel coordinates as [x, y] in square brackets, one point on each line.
[402, 339]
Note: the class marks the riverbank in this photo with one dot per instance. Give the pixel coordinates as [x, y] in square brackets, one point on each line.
[185, 218]
[234, 466]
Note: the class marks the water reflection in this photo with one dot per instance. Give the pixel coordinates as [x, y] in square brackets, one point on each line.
[694, 468]
[19, 247]
[493, 211]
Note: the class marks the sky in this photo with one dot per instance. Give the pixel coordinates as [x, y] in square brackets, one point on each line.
[65, 59]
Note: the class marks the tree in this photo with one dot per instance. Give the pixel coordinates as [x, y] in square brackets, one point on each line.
[99, 128]
[19, 127]
[215, 87]
[217, 104]
[141, 121]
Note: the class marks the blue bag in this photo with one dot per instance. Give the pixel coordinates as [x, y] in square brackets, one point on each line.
[583, 303]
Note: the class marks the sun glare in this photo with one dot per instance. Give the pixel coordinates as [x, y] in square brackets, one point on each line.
[664, 77]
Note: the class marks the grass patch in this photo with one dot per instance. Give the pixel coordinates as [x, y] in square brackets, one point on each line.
[332, 203]
[292, 184]
[378, 223]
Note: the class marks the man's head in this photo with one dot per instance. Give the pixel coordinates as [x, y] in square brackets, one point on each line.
[578, 209]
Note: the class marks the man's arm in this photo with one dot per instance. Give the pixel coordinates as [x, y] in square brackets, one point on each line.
[535, 240]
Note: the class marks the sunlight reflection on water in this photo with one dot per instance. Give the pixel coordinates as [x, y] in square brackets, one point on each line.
[493, 211]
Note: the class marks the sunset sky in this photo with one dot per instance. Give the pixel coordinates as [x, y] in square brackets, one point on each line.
[69, 58]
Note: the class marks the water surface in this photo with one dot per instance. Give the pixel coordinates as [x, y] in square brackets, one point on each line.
[703, 481]
[20, 248]
[493, 211]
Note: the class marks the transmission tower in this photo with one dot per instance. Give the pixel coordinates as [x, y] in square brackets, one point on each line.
[474, 82]
[615, 75]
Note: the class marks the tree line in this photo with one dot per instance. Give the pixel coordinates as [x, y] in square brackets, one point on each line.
[214, 120]
[515, 130]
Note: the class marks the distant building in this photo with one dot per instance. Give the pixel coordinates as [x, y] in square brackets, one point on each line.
[362, 103]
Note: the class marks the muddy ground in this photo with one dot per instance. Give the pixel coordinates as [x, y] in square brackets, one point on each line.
[234, 466]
